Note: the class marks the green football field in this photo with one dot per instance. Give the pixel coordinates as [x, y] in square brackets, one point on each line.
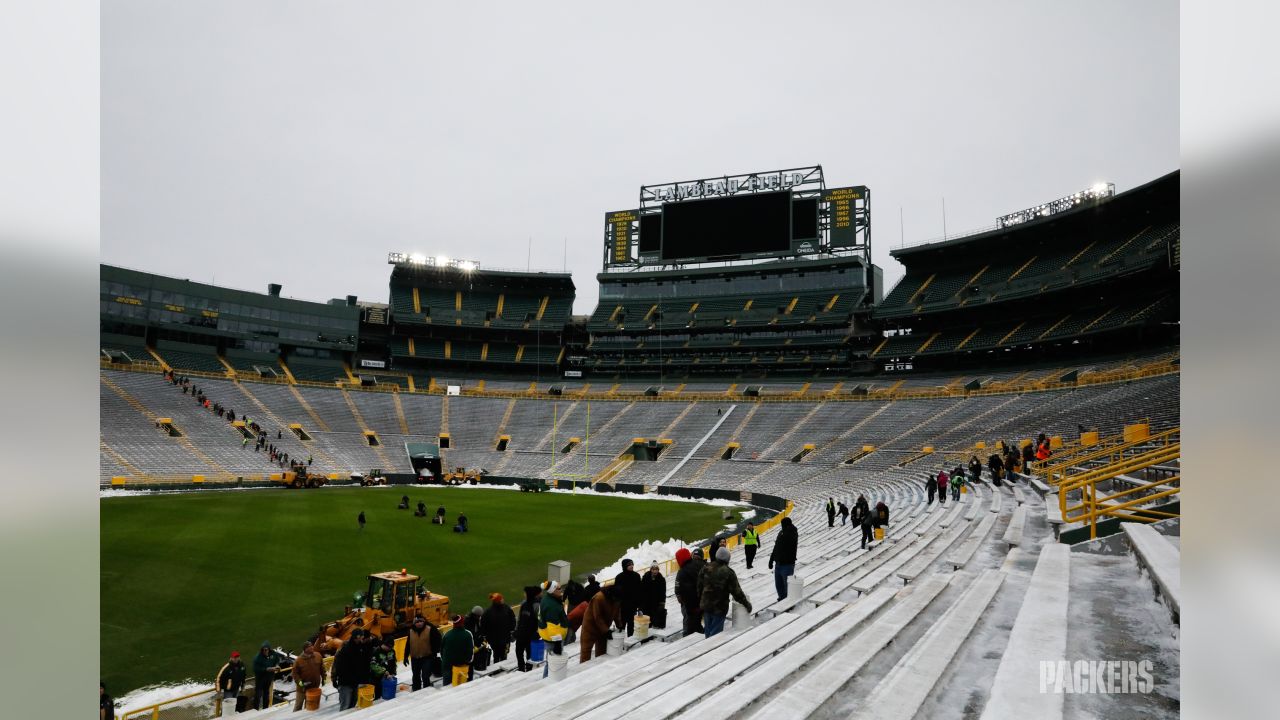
[186, 578]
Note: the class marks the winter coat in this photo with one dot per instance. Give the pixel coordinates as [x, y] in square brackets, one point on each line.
[351, 664]
[687, 582]
[232, 677]
[308, 669]
[472, 624]
[601, 613]
[716, 582]
[629, 589]
[498, 623]
[861, 508]
[786, 546]
[943, 479]
[653, 592]
[882, 514]
[422, 644]
[382, 663]
[552, 620]
[264, 664]
[458, 647]
[527, 623]
[591, 589]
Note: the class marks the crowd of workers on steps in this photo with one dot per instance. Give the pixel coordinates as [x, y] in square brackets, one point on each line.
[553, 616]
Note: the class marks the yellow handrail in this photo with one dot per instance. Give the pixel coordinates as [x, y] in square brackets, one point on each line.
[154, 710]
[1058, 473]
[1092, 506]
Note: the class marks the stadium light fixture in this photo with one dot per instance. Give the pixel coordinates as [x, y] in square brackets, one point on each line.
[1097, 191]
[442, 261]
[466, 265]
[418, 259]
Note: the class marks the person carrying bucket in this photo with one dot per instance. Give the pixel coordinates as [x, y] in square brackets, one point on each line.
[308, 673]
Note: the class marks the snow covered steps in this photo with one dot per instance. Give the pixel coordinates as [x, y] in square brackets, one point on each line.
[1162, 561]
[1013, 533]
[1039, 633]
[815, 687]
[901, 693]
[960, 557]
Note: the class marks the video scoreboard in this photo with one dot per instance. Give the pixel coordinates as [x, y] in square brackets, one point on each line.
[760, 215]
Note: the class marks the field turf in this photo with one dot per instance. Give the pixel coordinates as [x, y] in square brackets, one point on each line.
[186, 578]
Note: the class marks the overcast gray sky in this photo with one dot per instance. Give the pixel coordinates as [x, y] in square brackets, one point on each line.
[249, 141]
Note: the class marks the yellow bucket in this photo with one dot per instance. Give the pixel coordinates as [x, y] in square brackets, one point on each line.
[879, 533]
[642, 626]
[364, 696]
[964, 489]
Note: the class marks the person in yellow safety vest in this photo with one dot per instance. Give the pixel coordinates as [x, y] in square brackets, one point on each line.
[750, 542]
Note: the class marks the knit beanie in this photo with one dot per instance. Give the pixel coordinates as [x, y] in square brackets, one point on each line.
[683, 556]
[722, 554]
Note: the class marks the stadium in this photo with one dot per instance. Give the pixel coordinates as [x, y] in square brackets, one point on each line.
[745, 358]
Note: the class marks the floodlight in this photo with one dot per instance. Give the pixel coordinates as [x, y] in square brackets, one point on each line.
[1099, 188]
[441, 261]
[418, 259]
[466, 266]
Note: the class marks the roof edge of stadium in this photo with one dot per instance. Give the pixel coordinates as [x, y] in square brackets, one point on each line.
[989, 232]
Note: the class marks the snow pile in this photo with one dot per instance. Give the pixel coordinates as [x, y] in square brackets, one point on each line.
[644, 554]
[488, 487]
[152, 694]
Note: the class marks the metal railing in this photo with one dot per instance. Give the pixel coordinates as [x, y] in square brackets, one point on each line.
[1061, 472]
[1091, 503]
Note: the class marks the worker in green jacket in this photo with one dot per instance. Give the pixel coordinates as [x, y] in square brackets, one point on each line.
[553, 623]
[457, 649]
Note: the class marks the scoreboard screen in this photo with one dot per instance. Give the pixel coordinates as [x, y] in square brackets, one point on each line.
[650, 233]
[779, 214]
[731, 226]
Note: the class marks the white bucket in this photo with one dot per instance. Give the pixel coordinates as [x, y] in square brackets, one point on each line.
[558, 666]
[741, 618]
[795, 586]
[616, 644]
[642, 626]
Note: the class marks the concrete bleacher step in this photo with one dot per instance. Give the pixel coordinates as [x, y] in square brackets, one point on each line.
[808, 692]
[1039, 633]
[900, 694]
[1019, 496]
[1162, 560]
[995, 499]
[1013, 533]
[728, 701]
[953, 512]
[575, 705]
[544, 696]
[932, 551]
[680, 687]
[962, 554]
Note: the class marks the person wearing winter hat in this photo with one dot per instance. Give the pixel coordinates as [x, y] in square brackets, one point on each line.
[687, 590]
[497, 624]
[231, 677]
[527, 627]
[459, 647]
[350, 668]
[630, 593]
[553, 623]
[716, 583]
[264, 673]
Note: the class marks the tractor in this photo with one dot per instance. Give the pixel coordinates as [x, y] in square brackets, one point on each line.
[461, 476]
[393, 600]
